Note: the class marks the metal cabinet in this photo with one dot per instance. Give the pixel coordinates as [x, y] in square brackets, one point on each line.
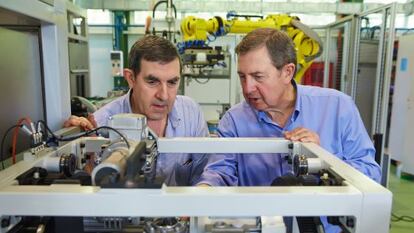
[401, 146]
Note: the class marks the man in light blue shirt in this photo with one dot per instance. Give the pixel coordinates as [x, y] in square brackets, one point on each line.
[275, 106]
[153, 77]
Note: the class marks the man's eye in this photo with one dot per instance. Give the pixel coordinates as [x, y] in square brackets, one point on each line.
[152, 82]
[173, 83]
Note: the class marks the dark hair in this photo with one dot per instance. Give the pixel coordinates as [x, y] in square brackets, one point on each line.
[151, 48]
[279, 46]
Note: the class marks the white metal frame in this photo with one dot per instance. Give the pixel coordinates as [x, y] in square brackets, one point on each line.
[382, 78]
[383, 71]
[349, 51]
[360, 197]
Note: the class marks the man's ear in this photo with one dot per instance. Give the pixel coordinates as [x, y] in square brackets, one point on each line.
[129, 77]
[288, 72]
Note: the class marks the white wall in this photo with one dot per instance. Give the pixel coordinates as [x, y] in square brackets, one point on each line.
[100, 46]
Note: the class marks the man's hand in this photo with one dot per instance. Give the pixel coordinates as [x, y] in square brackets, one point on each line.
[302, 135]
[85, 123]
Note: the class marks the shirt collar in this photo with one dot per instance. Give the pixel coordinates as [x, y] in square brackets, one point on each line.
[174, 116]
[298, 103]
[128, 101]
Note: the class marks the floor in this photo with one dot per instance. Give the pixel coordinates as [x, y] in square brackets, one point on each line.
[403, 201]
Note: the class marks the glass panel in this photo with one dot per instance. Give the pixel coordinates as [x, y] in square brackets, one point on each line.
[372, 69]
[317, 1]
[316, 19]
[384, 1]
[338, 56]
[140, 17]
[384, 111]
[367, 67]
[99, 16]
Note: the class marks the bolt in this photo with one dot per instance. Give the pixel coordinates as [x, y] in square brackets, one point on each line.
[350, 222]
[5, 222]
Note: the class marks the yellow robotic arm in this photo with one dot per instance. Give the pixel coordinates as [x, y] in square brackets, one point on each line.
[196, 33]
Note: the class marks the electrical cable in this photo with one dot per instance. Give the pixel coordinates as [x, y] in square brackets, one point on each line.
[55, 137]
[15, 133]
[87, 133]
[48, 130]
[175, 15]
[2, 143]
[201, 82]
[82, 134]
[211, 38]
[402, 218]
[158, 3]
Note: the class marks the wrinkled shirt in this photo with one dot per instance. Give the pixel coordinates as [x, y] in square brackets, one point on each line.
[330, 113]
[185, 120]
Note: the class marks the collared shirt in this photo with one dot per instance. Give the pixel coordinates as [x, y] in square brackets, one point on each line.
[185, 120]
[330, 113]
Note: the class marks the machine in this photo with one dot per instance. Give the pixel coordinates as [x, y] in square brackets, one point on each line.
[96, 184]
[117, 62]
[197, 33]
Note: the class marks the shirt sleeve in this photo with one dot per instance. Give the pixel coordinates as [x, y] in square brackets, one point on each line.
[221, 169]
[358, 149]
[101, 117]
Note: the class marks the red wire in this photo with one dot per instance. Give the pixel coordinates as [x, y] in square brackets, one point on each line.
[15, 133]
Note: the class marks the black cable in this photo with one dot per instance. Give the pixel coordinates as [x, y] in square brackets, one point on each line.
[402, 218]
[2, 143]
[201, 82]
[175, 16]
[93, 131]
[63, 139]
[48, 130]
[116, 131]
[158, 3]
[69, 138]
[82, 134]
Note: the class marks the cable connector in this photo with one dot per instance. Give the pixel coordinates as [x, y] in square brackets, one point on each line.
[26, 130]
[33, 127]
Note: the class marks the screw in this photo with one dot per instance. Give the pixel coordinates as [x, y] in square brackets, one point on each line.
[350, 222]
[5, 222]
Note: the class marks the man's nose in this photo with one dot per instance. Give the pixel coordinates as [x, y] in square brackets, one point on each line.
[249, 85]
[162, 92]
